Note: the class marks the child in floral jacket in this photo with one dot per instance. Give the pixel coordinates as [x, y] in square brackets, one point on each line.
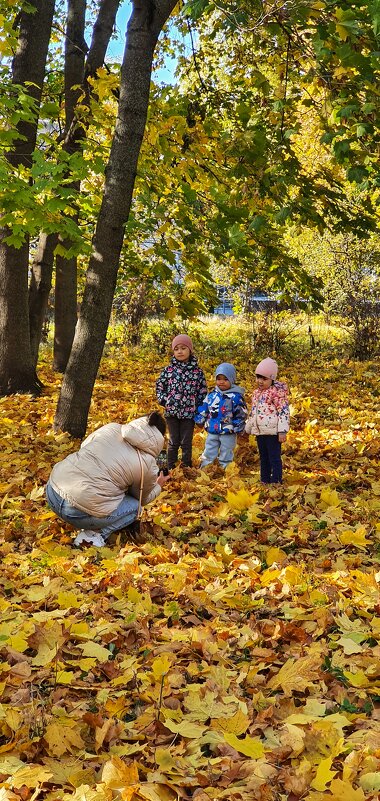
[269, 420]
[180, 388]
[223, 414]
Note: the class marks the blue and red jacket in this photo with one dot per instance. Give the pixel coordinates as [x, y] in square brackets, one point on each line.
[223, 412]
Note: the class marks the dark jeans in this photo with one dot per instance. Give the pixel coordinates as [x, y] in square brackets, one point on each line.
[270, 458]
[180, 436]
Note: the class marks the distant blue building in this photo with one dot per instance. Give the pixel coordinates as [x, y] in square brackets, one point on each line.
[253, 301]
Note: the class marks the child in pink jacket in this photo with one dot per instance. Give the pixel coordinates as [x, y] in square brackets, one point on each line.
[269, 420]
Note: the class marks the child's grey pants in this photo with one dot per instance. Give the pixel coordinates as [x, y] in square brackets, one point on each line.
[219, 446]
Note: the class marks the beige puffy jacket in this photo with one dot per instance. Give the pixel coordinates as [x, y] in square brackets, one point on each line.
[107, 466]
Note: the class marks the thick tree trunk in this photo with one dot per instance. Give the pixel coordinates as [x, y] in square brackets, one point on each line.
[75, 73]
[144, 27]
[17, 369]
[76, 76]
[17, 373]
[65, 309]
[28, 68]
[39, 289]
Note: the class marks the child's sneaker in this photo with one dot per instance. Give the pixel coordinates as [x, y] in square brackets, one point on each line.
[90, 538]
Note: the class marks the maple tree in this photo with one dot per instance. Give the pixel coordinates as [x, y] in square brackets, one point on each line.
[222, 171]
[350, 271]
[236, 653]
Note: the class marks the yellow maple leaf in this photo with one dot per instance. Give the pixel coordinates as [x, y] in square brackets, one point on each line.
[69, 600]
[275, 556]
[161, 666]
[61, 738]
[116, 774]
[186, 728]
[19, 642]
[250, 746]
[65, 677]
[151, 791]
[204, 705]
[13, 718]
[237, 724]
[241, 500]
[324, 774]
[10, 764]
[355, 537]
[358, 679]
[253, 514]
[296, 674]
[329, 498]
[31, 776]
[95, 650]
[164, 759]
[344, 791]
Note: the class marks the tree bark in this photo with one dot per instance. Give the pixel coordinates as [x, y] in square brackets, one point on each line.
[39, 289]
[65, 309]
[145, 24]
[65, 305]
[17, 369]
[101, 35]
[17, 373]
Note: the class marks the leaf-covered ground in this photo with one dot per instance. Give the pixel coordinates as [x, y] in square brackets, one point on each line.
[235, 655]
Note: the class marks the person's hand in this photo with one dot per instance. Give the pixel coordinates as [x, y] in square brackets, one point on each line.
[161, 479]
[282, 437]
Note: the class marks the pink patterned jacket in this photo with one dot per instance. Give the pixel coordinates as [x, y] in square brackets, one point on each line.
[269, 411]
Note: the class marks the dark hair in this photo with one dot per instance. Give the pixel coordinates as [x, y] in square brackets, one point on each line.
[158, 421]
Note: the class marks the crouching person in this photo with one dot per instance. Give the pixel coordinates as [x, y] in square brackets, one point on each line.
[102, 487]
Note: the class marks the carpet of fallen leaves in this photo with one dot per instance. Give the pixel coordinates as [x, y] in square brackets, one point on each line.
[233, 656]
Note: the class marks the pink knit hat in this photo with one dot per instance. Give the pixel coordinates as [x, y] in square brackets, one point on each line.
[268, 367]
[182, 339]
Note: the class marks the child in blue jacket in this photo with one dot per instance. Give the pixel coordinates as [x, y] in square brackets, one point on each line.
[223, 414]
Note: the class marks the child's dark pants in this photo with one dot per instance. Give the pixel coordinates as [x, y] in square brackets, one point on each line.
[181, 436]
[270, 458]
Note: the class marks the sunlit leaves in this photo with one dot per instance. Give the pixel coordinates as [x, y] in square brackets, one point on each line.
[235, 654]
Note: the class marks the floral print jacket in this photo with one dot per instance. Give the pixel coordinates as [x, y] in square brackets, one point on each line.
[269, 411]
[181, 387]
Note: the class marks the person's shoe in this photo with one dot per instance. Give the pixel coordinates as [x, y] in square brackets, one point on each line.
[89, 538]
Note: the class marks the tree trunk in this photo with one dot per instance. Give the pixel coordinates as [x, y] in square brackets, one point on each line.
[17, 369]
[65, 309]
[102, 33]
[65, 305]
[143, 30]
[39, 289]
[17, 373]
[75, 73]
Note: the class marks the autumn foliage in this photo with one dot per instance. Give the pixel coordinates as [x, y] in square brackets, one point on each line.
[233, 656]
